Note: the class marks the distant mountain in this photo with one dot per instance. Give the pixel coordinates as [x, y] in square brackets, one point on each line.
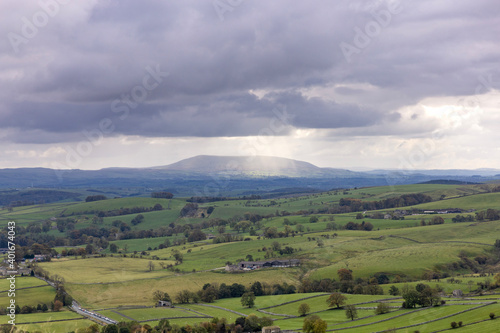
[253, 166]
[229, 175]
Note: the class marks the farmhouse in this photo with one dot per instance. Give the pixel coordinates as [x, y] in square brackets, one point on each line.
[251, 265]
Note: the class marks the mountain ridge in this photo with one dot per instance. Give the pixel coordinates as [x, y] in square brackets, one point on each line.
[242, 171]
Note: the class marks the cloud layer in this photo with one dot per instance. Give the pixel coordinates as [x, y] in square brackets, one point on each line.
[191, 69]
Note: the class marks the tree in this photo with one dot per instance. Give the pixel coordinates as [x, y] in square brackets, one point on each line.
[351, 312]
[208, 294]
[497, 279]
[113, 248]
[159, 295]
[237, 290]
[304, 308]
[163, 326]
[336, 299]
[248, 299]
[244, 225]
[437, 220]
[313, 219]
[110, 329]
[394, 291]
[57, 306]
[308, 325]
[178, 257]
[184, 296]
[410, 296]
[196, 235]
[344, 274]
[382, 308]
[257, 289]
[89, 249]
[271, 232]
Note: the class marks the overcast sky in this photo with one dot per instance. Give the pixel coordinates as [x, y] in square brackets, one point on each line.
[350, 84]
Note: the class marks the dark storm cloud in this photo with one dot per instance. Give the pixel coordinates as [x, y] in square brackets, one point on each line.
[64, 80]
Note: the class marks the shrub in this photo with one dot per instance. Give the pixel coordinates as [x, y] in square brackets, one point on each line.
[492, 315]
[454, 324]
[460, 324]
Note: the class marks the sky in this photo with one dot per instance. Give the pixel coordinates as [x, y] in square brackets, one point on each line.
[89, 84]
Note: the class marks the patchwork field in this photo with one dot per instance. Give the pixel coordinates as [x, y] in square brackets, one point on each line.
[120, 285]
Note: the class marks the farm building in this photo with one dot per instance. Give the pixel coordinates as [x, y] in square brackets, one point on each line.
[164, 304]
[271, 329]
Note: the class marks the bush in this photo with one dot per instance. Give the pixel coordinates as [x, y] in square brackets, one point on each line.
[460, 324]
[492, 315]
[454, 324]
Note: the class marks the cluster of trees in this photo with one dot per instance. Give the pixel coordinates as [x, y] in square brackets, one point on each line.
[463, 218]
[422, 295]
[367, 226]
[346, 284]
[189, 210]
[31, 309]
[118, 212]
[226, 238]
[476, 264]
[490, 214]
[162, 195]
[214, 199]
[213, 291]
[251, 323]
[138, 219]
[404, 200]
[433, 221]
[96, 197]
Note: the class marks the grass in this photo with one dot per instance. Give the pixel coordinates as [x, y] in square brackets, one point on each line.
[140, 292]
[56, 327]
[22, 282]
[33, 296]
[106, 269]
[42, 316]
[410, 259]
[410, 319]
[319, 303]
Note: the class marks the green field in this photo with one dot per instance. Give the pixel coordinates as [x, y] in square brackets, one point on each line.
[32, 296]
[108, 269]
[114, 285]
[22, 282]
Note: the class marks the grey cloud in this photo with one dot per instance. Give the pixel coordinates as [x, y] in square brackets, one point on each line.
[70, 73]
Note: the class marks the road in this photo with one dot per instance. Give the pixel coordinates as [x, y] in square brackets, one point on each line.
[92, 315]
